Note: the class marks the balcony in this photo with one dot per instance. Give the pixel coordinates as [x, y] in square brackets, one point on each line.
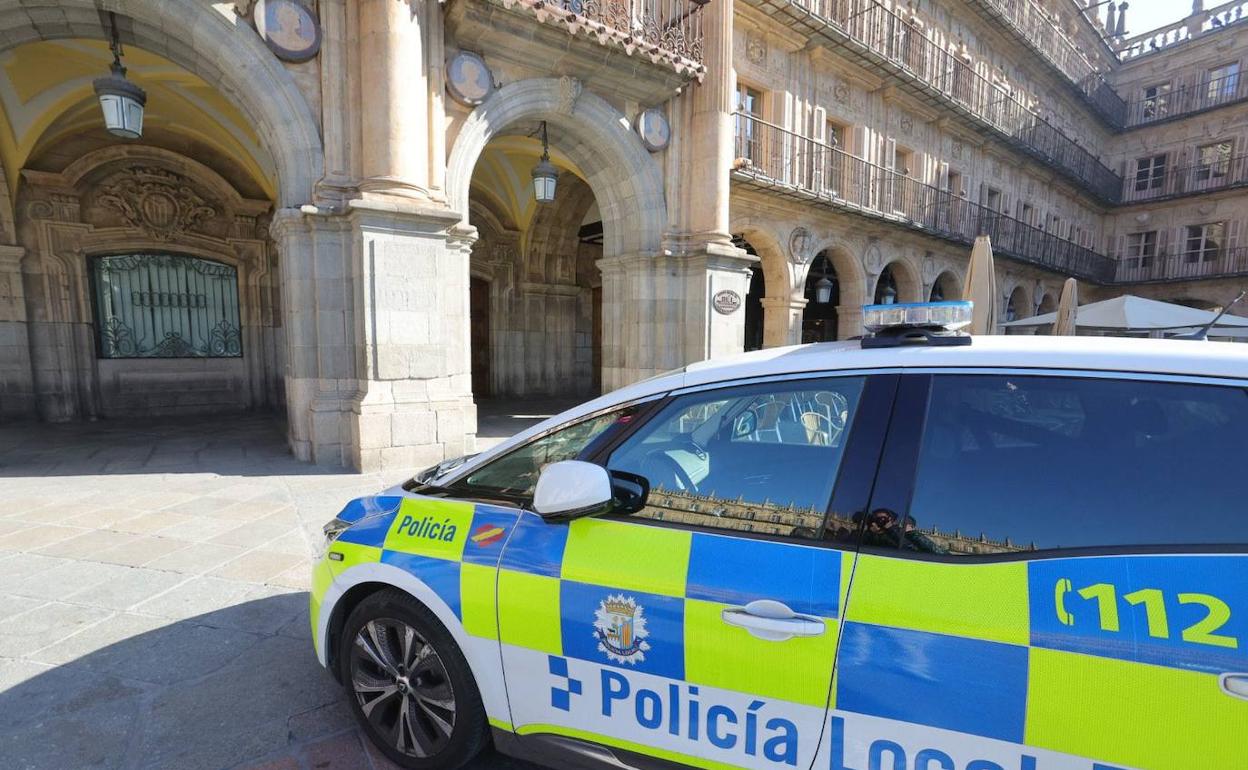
[1219, 174]
[879, 39]
[1180, 266]
[774, 159]
[1186, 99]
[1198, 24]
[1031, 25]
[644, 50]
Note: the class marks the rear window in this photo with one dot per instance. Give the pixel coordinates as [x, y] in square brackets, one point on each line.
[1025, 463]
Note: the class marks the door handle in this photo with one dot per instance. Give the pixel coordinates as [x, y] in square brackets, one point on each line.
[1234, 685]
[772, 621]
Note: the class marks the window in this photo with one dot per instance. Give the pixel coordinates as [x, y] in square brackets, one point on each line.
[1156, 102]
[1223, 82]
[837, 135]
[903, 161]
[1013, 464]
[166, 306]
[758, 458]
[1055, 225]
[1203, 242]
[1028, 215]
[514, 475]
[748, 103]
[1141, 249]
[1150, 172]
[1214, 161]
[956, 185]
[992, 198]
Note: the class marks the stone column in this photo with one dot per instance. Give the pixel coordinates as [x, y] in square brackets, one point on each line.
[17, 388]
[782, 321]
[376, 314]
[848, 321]
[394, 97]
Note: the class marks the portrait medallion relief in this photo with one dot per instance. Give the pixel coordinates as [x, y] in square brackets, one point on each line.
[288, 28]
[654, 130]
[469, 79]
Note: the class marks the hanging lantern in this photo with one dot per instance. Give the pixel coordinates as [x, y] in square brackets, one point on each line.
[545, 175]
[823, 290]
[121, 100]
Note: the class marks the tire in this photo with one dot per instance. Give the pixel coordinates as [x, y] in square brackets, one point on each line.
[428, 678]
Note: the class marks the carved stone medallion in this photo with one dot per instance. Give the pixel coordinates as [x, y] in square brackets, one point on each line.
[161, 203]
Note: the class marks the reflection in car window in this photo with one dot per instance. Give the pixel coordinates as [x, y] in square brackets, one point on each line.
[515, 474]
[1012, 464]
[758, 458]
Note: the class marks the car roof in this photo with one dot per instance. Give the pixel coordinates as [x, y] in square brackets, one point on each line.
[1191, 358]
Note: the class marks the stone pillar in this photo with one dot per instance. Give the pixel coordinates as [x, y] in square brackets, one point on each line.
[848, 321]
[376, 314]
[394, 97]
[658, 313]
[17, 388]
[782, 321]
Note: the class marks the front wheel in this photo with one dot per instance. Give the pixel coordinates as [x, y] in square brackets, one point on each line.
[410, 686]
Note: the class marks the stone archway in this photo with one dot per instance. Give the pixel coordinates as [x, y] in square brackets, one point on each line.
[627, 183]
[625, 179]
[214, 44]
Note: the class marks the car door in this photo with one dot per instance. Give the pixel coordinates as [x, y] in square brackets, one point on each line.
[1053, 575]
[701, 630]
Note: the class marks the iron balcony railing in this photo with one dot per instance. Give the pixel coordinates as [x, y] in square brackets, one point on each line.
[1211, 20]
[1188, 98]
[883, 37]
[1217, 174]
[663, 30]
[1036, 28]
[774, 158]
[1183, 266]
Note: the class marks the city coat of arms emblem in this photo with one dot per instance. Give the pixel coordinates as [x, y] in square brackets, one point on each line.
[620, 626]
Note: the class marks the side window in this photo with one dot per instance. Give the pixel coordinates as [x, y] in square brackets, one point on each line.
[757, 458]
[1024, 463]
[514, 475]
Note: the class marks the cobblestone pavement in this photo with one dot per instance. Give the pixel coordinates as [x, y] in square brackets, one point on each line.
[153, 598]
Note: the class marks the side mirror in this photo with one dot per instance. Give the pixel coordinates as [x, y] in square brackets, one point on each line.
[570, 489]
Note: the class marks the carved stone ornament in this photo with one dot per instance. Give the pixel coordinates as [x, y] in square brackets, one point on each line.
[875, 258]
[755, 47]
[158, 202]
[841, 92]
[907, 124]
[569, 91]
[800, 241]
[957, 151]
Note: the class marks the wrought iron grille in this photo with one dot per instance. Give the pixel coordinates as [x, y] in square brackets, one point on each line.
[166, 306]
[878, 34]
[774, 158]
[1218, 172]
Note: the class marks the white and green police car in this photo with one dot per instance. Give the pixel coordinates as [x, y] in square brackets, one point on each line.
[905, 553]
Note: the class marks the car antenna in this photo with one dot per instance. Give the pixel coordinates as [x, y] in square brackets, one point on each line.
[1203, 332]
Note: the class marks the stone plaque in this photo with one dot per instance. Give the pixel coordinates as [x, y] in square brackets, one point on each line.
[726, 302]
[288, 28]
[468, 78]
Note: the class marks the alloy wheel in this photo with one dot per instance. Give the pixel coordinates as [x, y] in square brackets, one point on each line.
[402, 687]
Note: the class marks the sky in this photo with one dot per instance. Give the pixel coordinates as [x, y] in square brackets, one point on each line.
[1147, 15]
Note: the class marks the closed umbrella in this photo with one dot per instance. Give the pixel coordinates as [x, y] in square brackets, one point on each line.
[981, 287]
[1067, 309]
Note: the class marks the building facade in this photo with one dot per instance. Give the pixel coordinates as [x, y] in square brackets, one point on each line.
[331, 212]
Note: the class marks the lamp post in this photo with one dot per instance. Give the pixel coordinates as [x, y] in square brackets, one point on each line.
[545, 175]
[121, 100]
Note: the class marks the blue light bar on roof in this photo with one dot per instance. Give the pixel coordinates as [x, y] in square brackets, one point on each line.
[947, 316]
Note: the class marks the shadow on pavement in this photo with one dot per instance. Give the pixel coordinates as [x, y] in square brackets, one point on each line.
[228, 445]
[238, 687]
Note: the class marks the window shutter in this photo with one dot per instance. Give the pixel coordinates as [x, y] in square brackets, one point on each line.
[943, 181]
[890, 154]
[861, 144]
[820, 132]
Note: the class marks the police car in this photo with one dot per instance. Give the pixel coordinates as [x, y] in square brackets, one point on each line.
[904, 553]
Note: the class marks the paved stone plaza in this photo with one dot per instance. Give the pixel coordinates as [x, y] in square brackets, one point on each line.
[153, 597]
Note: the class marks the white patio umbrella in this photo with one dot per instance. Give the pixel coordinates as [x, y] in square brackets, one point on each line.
[1066, 308]
[1131, 313]
[981, 287]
